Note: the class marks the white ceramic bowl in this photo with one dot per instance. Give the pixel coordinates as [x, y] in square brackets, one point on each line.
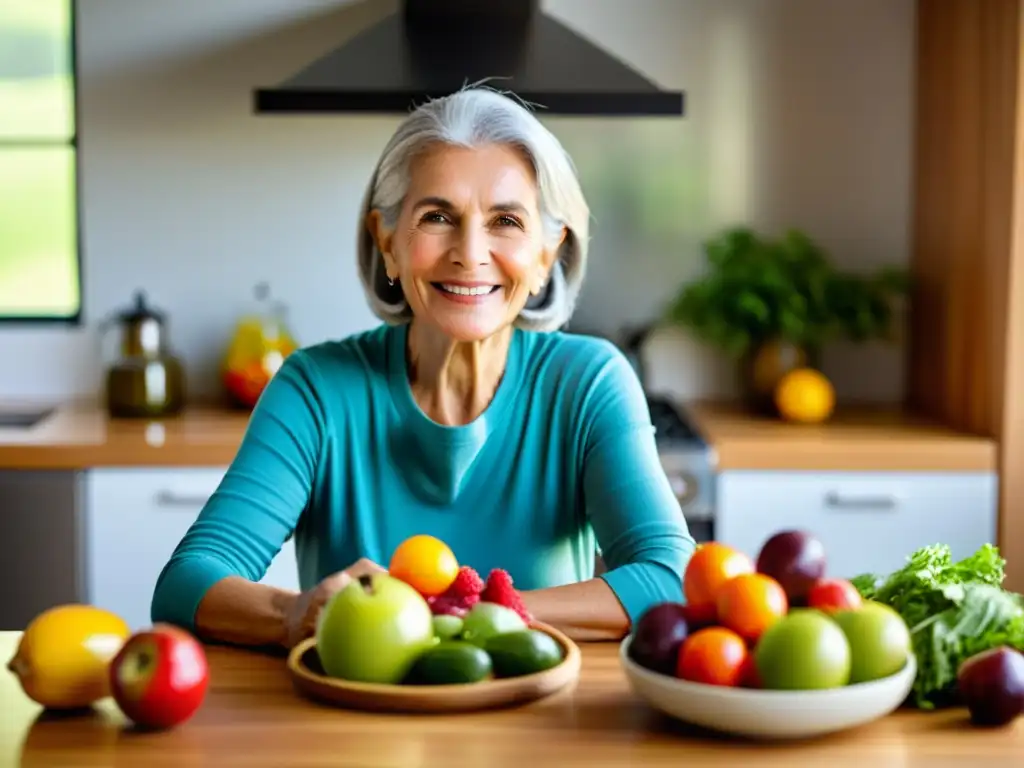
[769, 714]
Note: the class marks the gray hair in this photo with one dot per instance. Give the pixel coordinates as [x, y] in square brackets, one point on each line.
[469, 118]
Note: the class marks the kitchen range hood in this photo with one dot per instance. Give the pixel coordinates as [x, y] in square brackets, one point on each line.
[430, 48]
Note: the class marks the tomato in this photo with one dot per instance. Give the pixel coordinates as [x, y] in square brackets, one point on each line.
[714, 656]
[750, 603]
[831, 595]
[425, 563]
[709, 568]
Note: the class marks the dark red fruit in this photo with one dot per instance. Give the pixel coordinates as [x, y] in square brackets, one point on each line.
[991, 685]
[796, 560]
[657, 637]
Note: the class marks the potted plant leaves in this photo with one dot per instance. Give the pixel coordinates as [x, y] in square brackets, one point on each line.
[772, 304]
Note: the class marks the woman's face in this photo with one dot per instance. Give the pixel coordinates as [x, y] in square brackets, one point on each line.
[468, 247]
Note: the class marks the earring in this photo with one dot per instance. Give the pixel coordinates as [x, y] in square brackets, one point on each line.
[391, 280]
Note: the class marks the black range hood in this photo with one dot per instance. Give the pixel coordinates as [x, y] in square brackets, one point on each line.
[430, 48]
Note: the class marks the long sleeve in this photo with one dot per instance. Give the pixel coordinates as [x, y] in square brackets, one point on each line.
[636, 517]
[258, 503]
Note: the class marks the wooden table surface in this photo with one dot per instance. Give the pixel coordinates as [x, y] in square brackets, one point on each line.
[252, 717]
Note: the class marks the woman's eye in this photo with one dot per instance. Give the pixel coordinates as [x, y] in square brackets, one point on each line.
[509, 221]
[434, 217]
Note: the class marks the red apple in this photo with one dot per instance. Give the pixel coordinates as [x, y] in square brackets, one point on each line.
[831, 595]
[159, 677]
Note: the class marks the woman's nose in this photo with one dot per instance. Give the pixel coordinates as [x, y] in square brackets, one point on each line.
[472, 247]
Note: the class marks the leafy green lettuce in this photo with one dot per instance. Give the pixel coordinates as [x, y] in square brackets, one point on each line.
[953, 609]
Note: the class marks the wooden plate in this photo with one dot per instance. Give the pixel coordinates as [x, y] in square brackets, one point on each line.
[309, 679]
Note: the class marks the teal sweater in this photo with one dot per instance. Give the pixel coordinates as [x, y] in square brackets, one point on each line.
[338, 454]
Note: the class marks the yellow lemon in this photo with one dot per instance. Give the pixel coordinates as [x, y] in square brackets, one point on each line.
[806, 396]
[63, 657]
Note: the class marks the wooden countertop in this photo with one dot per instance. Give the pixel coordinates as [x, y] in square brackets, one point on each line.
[856, 439]
[253, 717]
[80, 436]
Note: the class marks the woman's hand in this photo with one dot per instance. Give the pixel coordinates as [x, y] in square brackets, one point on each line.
[300, 621]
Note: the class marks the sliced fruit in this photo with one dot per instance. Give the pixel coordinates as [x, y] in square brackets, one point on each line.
[523, 653]
[450, 662]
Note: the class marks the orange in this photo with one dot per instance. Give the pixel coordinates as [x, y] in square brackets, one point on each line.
[709, 568]
[425, 563]
[714, 656]
[805, 396]
[750, 603]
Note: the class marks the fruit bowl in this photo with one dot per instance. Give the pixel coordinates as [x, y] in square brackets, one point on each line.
[309, 679]
[769, 714]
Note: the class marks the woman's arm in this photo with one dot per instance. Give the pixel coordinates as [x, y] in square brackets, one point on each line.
[209, 585]
[636, 517]
[585, 611]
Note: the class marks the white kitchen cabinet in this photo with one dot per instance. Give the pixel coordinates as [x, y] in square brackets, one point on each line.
[868, 521]
[134, 518]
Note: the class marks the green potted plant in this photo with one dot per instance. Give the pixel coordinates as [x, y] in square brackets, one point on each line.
[772, 304]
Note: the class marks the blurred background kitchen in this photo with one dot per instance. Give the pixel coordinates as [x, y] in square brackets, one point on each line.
[202, 239]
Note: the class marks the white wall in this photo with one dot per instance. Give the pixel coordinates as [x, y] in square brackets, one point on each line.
[799, 114]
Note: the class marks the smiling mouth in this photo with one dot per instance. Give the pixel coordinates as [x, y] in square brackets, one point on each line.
[466, 291]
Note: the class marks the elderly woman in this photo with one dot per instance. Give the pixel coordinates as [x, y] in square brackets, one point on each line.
[466, 415]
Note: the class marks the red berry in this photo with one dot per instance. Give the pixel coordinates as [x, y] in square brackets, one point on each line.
[467, 583]
[452, 606]
[501, 590]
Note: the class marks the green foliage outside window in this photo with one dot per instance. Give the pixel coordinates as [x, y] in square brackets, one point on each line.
[39, 239]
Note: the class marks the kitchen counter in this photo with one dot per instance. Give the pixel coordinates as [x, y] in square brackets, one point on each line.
[81, 436]
[864, 439]
[253, 717]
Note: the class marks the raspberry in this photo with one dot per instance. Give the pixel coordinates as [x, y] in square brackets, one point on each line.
[467, 583]
[446, 605]
[462, 595]
[500, 589]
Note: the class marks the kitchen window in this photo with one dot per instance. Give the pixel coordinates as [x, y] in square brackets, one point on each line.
[40, 266]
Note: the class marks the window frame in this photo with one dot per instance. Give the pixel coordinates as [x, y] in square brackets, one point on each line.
[75, 143]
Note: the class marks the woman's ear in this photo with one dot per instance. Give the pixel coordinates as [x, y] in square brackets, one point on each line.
[382, 238]
[546, 262]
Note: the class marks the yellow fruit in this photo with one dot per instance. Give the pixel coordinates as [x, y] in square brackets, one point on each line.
[64, 654]
[805, 395]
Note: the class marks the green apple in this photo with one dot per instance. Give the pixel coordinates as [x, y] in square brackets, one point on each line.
[373, 630]
[804, 650]
[485, 620]
[879, 641]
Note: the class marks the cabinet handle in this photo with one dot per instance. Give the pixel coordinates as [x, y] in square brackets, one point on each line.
[834, 501]
[171, 499]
